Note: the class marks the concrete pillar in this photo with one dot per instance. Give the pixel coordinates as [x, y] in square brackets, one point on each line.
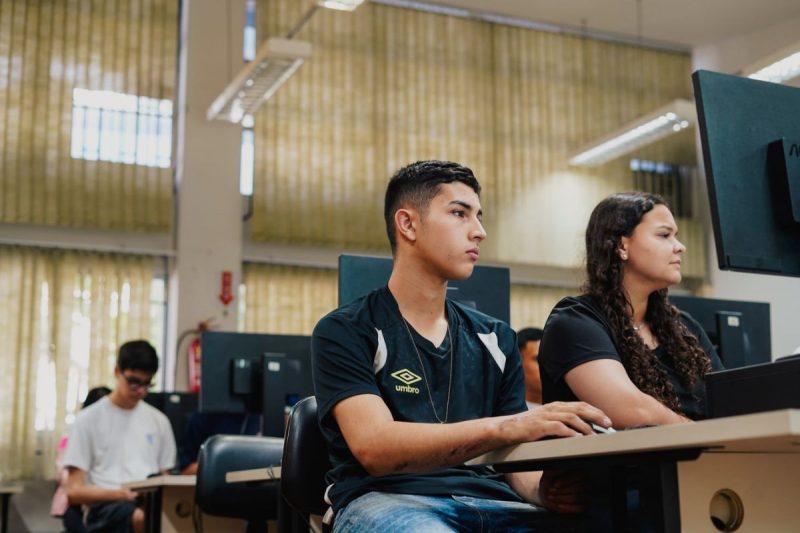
[208, 209]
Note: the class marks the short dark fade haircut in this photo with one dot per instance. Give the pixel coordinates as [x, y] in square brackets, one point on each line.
[415, 185]
[137, 355]
[526, 335]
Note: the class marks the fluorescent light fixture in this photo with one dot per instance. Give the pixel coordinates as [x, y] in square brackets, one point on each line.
[778, 67]
[275, 62]
[673, 117]
[247, 163]
[341, 5]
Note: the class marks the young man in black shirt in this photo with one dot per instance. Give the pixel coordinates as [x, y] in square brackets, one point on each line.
[410, 385]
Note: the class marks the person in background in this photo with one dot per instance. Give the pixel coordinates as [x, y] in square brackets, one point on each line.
[119, 439]
[621, 345]
[528, 340]
[60, 507]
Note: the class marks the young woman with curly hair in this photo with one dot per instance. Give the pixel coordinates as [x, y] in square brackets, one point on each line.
[621, 345]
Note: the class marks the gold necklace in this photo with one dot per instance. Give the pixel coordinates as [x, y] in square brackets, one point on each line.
[425, 377]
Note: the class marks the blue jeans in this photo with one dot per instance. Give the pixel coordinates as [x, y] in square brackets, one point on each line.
[388, 513]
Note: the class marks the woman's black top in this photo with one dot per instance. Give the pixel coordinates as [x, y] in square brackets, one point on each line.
[578, 331]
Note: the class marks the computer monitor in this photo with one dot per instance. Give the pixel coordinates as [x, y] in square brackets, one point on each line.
[254, 373]
[487, 289]
[750, 133]
[178, 407]
[740, 331]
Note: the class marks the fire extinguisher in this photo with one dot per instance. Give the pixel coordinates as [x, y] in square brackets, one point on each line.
[194, 365]
[193, 353]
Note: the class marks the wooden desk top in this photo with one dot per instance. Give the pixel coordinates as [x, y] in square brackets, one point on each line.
[10, 489]
[162, 481]
[774, 432]
[269, 473]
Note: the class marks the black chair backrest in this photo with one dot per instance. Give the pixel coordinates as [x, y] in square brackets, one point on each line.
[221, 454]
[305, 460]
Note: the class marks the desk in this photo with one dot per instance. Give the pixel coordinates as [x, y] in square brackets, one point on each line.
[756, 456]
[270, 473]
[5, 492]
[169, 502]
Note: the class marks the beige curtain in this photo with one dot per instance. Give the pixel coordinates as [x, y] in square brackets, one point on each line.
[48, 48]
[286, 299]
[63, 315]
[386, 86]
[531, 304]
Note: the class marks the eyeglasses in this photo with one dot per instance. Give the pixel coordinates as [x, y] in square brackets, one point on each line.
[136, 383]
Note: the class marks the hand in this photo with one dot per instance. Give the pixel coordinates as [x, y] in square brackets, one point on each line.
[564, 491]
[561, 419]
[126, 494]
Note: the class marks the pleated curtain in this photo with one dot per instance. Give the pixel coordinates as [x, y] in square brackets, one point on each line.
[286, 299]
[47, 49]
[386, 86]
[63, 315]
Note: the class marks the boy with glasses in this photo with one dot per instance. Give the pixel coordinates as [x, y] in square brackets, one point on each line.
[117, 440]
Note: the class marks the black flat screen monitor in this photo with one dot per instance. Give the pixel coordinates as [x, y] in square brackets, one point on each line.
[487, 289]
[740, 331]
[178, 407]
[254, 373]
[750, 133]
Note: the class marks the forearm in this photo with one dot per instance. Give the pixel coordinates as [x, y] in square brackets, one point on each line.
[643, 410]
[87, 494]
[384, 446]
[404, 447]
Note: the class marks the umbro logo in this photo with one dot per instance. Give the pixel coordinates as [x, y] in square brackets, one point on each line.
[407, 377]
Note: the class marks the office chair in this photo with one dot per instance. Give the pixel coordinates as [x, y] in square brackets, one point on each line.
[305, 463]
[255, 503]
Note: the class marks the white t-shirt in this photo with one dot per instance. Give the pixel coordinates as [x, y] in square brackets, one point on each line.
[115, 445]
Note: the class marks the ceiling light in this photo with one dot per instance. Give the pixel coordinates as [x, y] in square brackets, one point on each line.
[673, 117]
[778, 67]
[275, 62]
[341, 5]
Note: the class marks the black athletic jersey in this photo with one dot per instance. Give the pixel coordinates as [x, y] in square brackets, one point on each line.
[365, 348]
[578, 331]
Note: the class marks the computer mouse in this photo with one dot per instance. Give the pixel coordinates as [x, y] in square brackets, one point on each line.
[600, 429]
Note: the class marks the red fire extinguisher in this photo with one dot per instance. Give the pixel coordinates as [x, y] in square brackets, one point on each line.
[193, 353]
[194, 365]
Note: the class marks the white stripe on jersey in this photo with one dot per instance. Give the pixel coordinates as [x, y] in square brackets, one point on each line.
[380, 354]
[490, 341]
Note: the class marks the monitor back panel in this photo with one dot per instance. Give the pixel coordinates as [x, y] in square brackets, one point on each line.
[751, 328]
[738, 119]
[488, 289]
[220, 348]
[754, 389]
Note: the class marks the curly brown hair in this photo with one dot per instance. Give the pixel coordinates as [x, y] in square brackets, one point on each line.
[615, 217]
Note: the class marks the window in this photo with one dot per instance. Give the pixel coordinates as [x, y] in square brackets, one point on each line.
[121, 128]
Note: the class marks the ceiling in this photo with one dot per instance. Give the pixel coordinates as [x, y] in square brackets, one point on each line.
[683, 24]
